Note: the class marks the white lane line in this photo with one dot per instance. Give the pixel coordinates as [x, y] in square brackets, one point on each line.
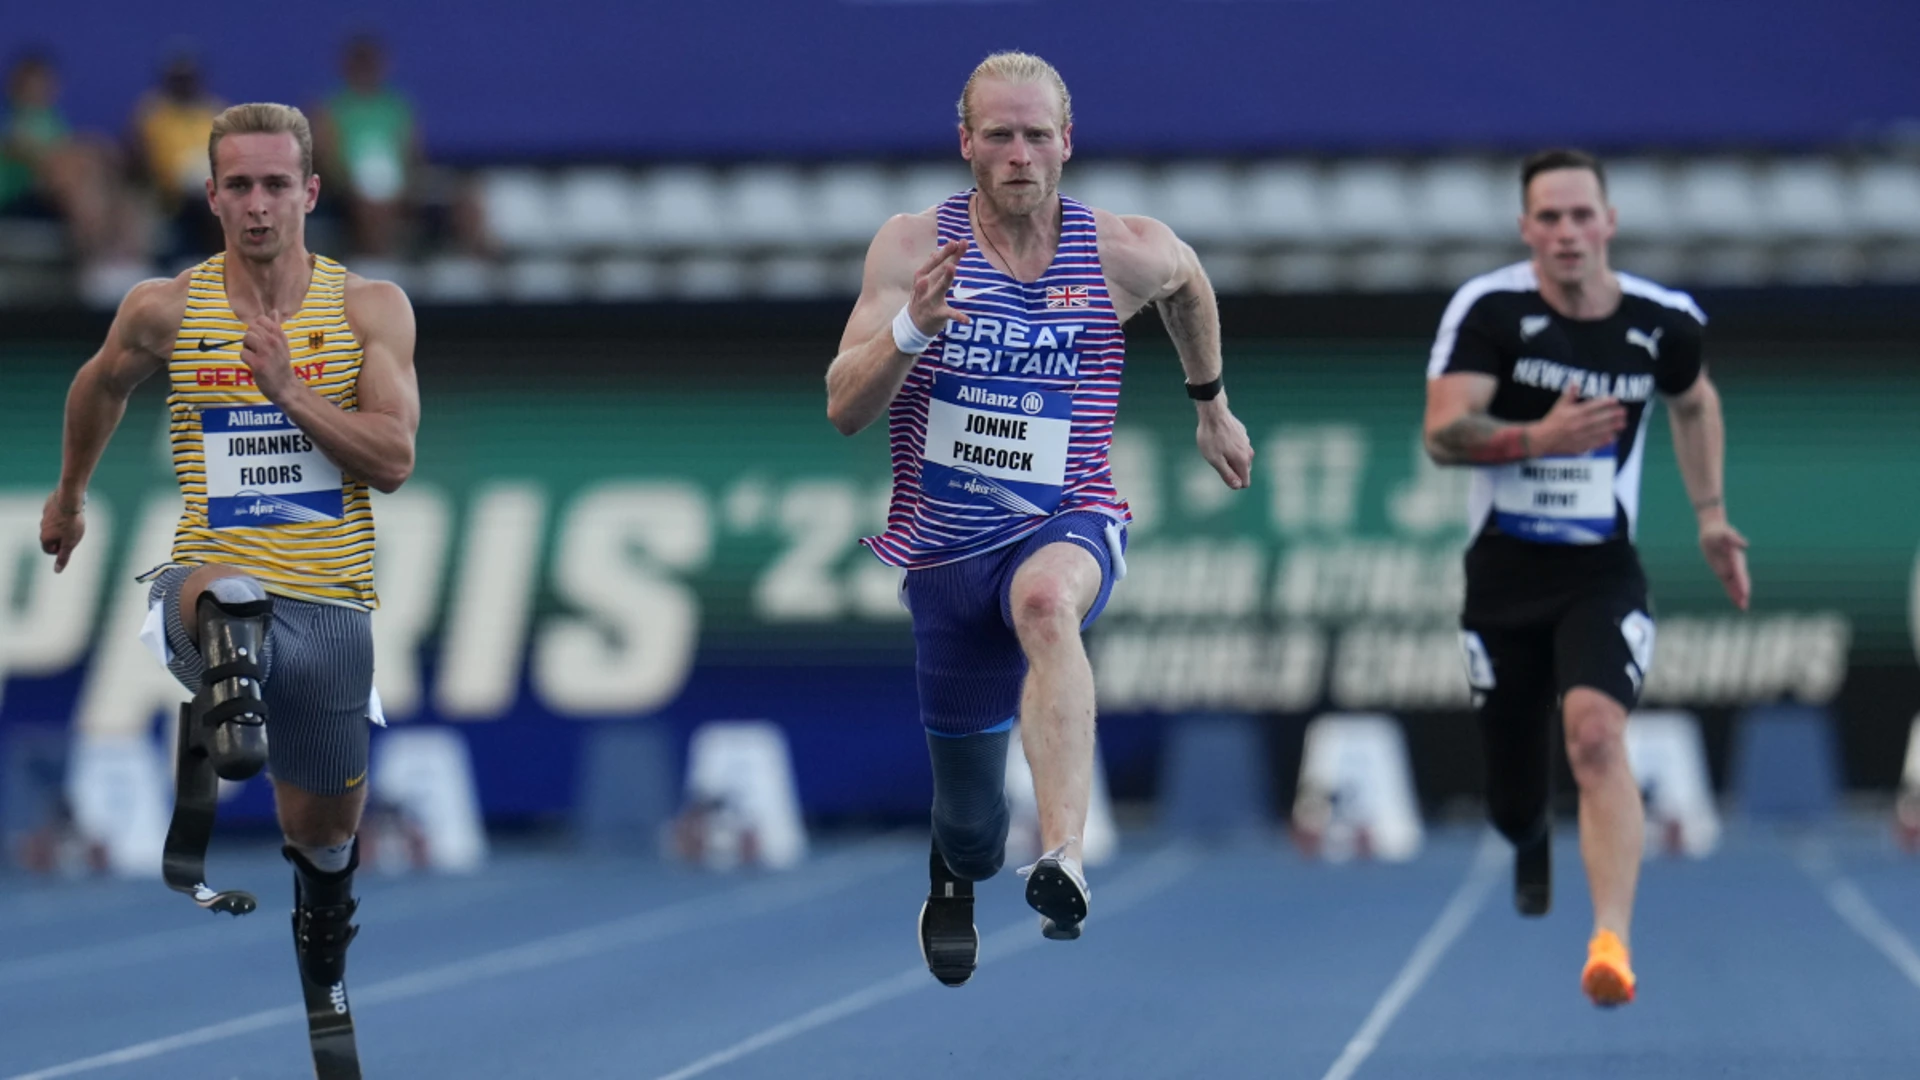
[693, 913]
[1156, 873]
[1453, 920]
[67, 902]
[162, 944]
[1857, 911]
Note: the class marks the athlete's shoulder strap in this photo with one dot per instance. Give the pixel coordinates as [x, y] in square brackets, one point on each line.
[952, 221]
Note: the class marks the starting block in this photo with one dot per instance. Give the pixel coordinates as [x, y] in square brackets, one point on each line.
[1906, 807]
[1356, 796]
[1786, 766]
[1213, 779]
[742, 805]
[1668, 758]
[426, 805]
[627, 787]
[1102, 839]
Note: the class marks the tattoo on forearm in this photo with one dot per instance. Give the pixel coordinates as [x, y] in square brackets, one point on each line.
[1184, 316]
[1478, 439]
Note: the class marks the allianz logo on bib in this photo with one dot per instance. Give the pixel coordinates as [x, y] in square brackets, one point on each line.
[250, 418]
[974, 395]
[1554, 376]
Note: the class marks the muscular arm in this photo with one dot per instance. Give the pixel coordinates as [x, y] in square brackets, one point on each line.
[869, 368]
[374, 442]
[1145, 263]
[137, 346]
[1699, 443]
[1458, 429]
[1192, 317]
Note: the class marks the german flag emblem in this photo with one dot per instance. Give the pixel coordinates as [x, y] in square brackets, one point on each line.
[315, 339]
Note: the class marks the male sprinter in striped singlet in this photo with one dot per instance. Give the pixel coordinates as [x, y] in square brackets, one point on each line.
[1543, 379]
[292, 391]
[988, 331]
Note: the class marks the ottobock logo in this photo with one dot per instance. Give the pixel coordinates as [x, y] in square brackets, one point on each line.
[1031, 402]
[337, 993]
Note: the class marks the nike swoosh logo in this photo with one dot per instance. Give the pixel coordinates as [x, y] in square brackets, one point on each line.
[1071, 535]
[355, 782]
[962, 293]
[208, 346]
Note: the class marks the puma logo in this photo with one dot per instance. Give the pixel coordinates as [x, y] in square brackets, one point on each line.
[1649, 342]
[1533, 324]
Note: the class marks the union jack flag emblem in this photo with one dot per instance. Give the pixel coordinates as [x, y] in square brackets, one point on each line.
[1067, 296]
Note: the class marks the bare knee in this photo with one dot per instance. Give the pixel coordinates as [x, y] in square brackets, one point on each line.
[1044, 611]
[1596, 728]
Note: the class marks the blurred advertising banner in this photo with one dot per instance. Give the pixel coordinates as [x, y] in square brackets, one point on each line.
[580, 551]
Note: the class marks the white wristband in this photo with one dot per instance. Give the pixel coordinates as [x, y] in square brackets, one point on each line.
[907, 337]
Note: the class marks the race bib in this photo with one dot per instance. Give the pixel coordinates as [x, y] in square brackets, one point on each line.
[1557, 500]
[996, 443]
[263, 471]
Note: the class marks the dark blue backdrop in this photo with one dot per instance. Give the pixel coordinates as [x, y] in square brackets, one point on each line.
[818, 78]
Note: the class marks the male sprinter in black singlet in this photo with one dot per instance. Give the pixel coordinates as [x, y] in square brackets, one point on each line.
[1542, 380]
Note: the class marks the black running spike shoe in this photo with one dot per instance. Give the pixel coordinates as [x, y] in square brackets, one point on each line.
[948, 940]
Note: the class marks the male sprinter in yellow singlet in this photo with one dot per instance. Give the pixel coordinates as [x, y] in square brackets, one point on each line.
[291, 393]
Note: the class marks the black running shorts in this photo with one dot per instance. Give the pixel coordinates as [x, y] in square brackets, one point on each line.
[1601, 638]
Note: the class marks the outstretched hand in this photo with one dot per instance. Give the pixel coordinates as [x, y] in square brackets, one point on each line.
[1726, 552]
[928, 307]
[1224, 443]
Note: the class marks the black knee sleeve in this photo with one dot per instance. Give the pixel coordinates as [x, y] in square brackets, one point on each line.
[970, 814]
[230, 711]
[1519, 760]
[1518, 809]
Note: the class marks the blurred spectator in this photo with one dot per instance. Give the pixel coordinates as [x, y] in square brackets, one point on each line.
[371, 159]
[171, 125]
[368, 146]
[46, 168]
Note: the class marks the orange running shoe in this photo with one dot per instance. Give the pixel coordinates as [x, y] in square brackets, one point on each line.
[1608, 976]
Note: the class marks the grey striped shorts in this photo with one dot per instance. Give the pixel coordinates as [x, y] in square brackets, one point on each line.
[318, 685]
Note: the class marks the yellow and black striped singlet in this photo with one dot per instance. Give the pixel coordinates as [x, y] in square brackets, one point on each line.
[259, 494]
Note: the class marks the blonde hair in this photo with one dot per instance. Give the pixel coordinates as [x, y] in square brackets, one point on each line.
[1015, 67]
[262, 118]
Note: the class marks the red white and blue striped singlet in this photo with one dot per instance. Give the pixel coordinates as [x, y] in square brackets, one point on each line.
[1006, 421]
